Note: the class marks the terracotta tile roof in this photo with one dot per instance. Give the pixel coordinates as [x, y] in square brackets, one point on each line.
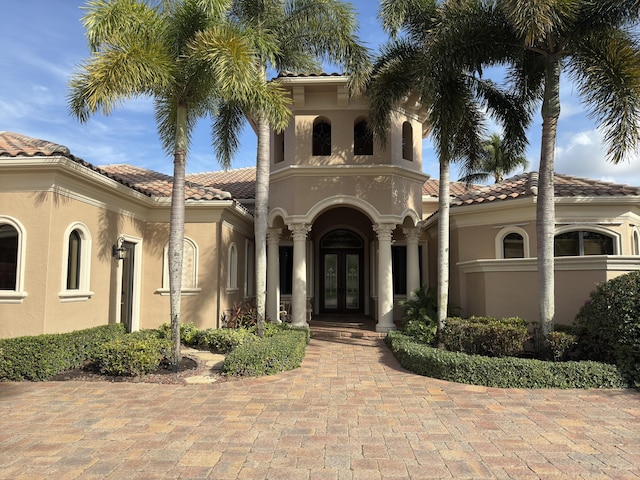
[145, 181]
[526, 184]
[288, 74]
[239, 182]
[431, 188]
[159, 185]
[16, 145]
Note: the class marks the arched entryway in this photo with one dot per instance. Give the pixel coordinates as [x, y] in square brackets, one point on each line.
[341, 273]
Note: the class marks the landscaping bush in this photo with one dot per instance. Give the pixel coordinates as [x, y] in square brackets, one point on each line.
[40, 357]
[608, 325]
[223, 340]
[561, 344]
[133, 355]
[485, 335]
[268, 355]
[501, 372]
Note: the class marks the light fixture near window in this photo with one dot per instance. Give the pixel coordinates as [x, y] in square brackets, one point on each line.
[118, 251]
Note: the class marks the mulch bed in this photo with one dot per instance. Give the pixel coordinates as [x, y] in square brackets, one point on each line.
[187, 367]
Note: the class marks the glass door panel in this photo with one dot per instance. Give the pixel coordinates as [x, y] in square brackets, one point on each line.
[331, 281]
[352, 281]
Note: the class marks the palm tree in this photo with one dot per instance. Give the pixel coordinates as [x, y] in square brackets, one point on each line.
[292, 35]
[495, 160]
[595, 44]
[419, 62]
[189, 57]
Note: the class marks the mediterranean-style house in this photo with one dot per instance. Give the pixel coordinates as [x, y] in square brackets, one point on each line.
[352, 230]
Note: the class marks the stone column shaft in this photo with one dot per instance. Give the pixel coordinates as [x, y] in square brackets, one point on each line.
[273, 274]
[299, 294]
[385, 278]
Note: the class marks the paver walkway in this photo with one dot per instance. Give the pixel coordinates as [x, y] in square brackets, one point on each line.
[350, 412]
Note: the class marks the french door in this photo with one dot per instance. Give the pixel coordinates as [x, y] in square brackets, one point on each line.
[341, 281]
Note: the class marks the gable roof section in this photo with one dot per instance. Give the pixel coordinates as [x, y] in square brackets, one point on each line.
[240, 182]
[526, 185]
[156, 184]
[147, 182]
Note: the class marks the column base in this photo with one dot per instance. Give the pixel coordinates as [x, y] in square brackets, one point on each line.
[385, 328]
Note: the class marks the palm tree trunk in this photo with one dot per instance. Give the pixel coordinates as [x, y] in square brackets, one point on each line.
[545, 208]
[176, 232]
[443, 249]
[261, 212]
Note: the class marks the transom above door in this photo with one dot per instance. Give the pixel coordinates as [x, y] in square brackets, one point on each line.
[341, 273]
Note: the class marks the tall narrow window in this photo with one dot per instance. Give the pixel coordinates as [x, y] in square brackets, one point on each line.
[636, 242]
[233, 267]
[74, 260]
[407, 141]
[249, 273]
[362, 138]
[321, 137]
[286, 270]
[513, 246]
[8, 257]
[278, 147]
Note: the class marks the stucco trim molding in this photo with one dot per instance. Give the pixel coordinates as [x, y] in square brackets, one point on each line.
[616, 263]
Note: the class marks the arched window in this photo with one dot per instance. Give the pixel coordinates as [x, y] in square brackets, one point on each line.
[407, 141]
[278, 147]
[362, 138]
[321, 137]
[9, 246]
[76, 264]
[636, 242]
[583, 242]
[232, 277]
[512, 242]
[513, 246]
[13, 239]
[74, 260]
[189, 269]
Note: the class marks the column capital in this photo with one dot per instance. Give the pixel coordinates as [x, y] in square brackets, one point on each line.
[273, 235]
[299, 230]
[412, 234]
[384, 231]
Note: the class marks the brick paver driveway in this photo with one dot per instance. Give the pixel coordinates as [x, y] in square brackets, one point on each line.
[350, 412]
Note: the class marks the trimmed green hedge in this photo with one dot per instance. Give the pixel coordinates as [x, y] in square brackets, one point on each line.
[507, 372]
[133, 355]
[41, 357]
[268, 355]
[493, 337]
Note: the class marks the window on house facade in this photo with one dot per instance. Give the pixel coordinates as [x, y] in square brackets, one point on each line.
[189, 269]
[513, 246]
[9, 246]
[74, 260]
[362, 138]
[582, 242]
[636, 242]
[399, 268]
[321, 137]
[232, 277]
[278, 147]
[286, 270]
[407, 141]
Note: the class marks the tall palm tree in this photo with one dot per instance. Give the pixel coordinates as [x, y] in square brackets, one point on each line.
[189, 57]
[292, 35]
[417, 60]
[595, 44]
[495, 160]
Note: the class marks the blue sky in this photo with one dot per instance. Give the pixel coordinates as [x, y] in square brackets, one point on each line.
[42, 42]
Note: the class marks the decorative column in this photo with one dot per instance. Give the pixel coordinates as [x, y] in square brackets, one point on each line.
[385, 278]
[299, 295]
[273, 274]
[412, 236]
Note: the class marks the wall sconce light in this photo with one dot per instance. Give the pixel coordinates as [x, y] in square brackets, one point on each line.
[118, 251]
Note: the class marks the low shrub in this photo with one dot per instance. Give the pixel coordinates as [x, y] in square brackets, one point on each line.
[561, 344]
[268, 355]
[188, 333]
[223, 340]
[608, 325]
[485, 335]
[133, 355]
[40, 357]
[507, 372]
